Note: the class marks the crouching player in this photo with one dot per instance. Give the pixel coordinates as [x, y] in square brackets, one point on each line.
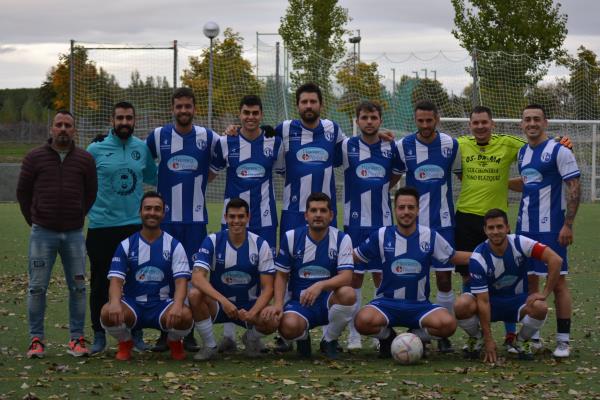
[148, 276]
[317, 258]
[498, 288]
[406, 252]
[240, 285]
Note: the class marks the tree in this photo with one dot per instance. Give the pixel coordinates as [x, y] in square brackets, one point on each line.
[313, 31]
[584, 84]
[360, 81]
[232, 77]
[532, 32]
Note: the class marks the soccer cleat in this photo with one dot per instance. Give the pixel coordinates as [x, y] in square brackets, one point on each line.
[77, 348]
[99, 342]
[330, 349]
[36, 348]
[445, 345]
[524, 348]
[227, 345]
[253, 346]
[472, 349]
[537, 345]
[206, 353]
[563, 350]
[303, 347]
[385, 345]
[509, 343]
[354, 343]
[282, 345]
[124, 350]
[138, 341]
[161, 343]
[176, 347]
[189, 343]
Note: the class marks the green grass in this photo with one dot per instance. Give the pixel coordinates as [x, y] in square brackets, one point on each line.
[358, 375]
[14, 152]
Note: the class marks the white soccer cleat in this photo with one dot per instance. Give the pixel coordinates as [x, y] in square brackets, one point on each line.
[563, 350]
[354, 343]
[206, 353]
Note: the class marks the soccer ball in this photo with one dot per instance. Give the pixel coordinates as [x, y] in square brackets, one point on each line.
[407, 348]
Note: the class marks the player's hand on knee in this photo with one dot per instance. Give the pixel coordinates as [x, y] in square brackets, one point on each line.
[174, 316]
[116, 316]
[230, 309]
[532, 298]
[246, 316]
[272, 313]
[232, 130]
[490, 351]
[308, 296]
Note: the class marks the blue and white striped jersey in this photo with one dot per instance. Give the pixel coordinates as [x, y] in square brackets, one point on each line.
[308, 262]
[235, 272]
[149, 269]
[429, 169]
[405, 261]
[310, 156]
[183, 162]
[543, 170]
[250, 166]
[501, 276]
[367, 173]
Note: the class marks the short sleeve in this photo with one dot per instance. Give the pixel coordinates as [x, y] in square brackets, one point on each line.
[118, 264]
[442, 251]
[478, 277]
[526, 244]
[179, 263]
[265, 259]
[398, 166]
[279, 165]
[283, 262]
[218, 162]
[457, 163]
[344, 258]
[566, 163]
[204, 257]
[369, 249]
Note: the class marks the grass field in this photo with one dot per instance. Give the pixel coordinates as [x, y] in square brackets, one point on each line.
[354, 376]
[14, 152]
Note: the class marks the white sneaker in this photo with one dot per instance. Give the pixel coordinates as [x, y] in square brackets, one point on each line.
[253, 346]
[354, 343]
[206, 353]
[227, 345]
[537, 345]
[563, 350]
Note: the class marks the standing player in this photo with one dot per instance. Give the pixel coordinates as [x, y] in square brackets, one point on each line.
[317, 259]
[183, 151]
[371, 166]
[406, 252]
[250, 158]
[430, 158]
[550, 181]
[148, 284]
[123, 164]
[240, 265]
[498, 287]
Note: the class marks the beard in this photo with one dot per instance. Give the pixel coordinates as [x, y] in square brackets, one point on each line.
[310, 116]
[124, 131]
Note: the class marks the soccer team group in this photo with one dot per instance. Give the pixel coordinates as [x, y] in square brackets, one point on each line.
[154, 266]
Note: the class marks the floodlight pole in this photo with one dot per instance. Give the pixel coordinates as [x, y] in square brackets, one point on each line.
[211, 30]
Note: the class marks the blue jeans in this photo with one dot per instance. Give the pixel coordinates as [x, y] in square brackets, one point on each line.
[44, 244]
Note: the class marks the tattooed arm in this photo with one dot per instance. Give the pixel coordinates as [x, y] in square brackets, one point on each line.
[565, 237]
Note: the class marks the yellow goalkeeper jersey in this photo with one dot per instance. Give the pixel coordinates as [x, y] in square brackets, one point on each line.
[485, 172]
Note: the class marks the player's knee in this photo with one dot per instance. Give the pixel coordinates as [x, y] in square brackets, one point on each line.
[465, 306]
[365, 323]
[345, 296]
[292, 326]
[539, 310]
[447, 325]
[104, 316]
[194, 296]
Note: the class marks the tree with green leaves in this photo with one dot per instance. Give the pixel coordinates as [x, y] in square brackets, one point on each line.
[313, 32]
[513, 42]
[232, 78]
[584, 84]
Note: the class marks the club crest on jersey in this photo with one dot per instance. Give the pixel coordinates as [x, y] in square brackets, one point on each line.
[312, 155]
[546, 157]
[182, 163]
[254, 259]
[236, 278]
[201, 143]
[313, 272]
[405, 266]
[166, 255]
[531, 175]
[428, 172]
[386, 153]
[332, 254]
[268, 152]
[370, 171]
[136, 155]
[329, 136]
[250, 170]
[124, 181]
[425, 246]
[354, 214]
[446, 152]
[149, 274]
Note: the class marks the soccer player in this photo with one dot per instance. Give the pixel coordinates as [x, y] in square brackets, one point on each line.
[430, 158]
[57, 187]
[317, 259]
[406, 253]
[551, 195]
[250, 159]
[371, 167]
[124, 164]
[498, 288]
[148, 284]
[183, 151]
[240, 265]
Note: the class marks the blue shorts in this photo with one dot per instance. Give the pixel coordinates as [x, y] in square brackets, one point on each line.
[448, 234]
[315, 315]
[268, 233]
[293, 219]
[190, 236]
[538, 267]
[403, 313]
[506, 309]
[359, 235]
[147, 315]
[222, 318]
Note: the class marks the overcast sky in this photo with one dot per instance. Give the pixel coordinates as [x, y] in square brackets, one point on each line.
[34, 32]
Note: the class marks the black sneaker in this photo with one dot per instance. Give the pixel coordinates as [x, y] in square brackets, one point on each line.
[330, 349]
[303, 347]
[323, 348]
[385, 345]
[445, 346]
[161, 343]
[282, 345]
[189, 343]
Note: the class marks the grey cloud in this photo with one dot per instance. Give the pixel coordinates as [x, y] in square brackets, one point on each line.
[7, 49]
